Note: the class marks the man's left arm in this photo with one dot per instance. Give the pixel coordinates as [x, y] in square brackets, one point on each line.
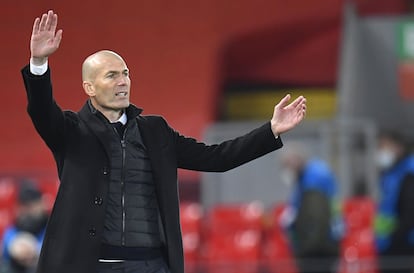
[227, 155]
[233, 153]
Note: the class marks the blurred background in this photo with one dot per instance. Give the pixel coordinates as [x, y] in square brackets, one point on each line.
[215, 69]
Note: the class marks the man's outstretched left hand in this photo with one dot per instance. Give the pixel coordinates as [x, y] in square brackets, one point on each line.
[287, 116]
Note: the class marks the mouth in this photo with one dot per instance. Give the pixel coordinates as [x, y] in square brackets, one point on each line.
[121, 94]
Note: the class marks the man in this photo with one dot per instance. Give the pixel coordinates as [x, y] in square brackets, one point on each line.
[23, 251]
[117, 209]
[394, 223]
[312, 217]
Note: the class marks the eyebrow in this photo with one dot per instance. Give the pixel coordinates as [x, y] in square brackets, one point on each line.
[116, 72]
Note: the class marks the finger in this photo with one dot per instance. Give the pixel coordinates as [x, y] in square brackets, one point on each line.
[303, 108]
[53, 24]
[43, 22]
[302, 111]
[301, 103]
[58, 38]
[283, 102]
[296, 102]
[49, 20]
[36, 26]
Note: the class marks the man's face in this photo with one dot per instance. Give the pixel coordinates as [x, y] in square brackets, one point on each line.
[388, 152]
[32, 216]
[111, 84]
[34, 208]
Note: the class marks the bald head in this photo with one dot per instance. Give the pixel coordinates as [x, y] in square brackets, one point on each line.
[106, 81]
[94, 62]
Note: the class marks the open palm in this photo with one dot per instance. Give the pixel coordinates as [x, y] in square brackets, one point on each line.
[287, 116]
[45, 40]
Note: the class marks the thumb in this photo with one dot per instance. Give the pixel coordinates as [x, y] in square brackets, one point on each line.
[58, 38]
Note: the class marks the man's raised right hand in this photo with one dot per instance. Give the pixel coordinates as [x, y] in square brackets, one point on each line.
[45, 40]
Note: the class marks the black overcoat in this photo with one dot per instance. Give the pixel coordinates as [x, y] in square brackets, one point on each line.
[80, 146]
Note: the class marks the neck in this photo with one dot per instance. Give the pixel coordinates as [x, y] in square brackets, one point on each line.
[111, 114]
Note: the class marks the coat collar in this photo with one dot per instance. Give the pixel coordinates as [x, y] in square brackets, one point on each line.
[131, 111]
[99, 124]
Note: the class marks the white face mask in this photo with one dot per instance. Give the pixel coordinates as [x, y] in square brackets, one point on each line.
[288, 177]
[385, 158]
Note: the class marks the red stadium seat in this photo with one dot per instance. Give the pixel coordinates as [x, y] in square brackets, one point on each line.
[359, 213]
[6, 219]
[237, 252]
[358, 253]
[233, 238]
[230, 218]
[8, 193]
[277, 253]
[49, 189]
[191, 215]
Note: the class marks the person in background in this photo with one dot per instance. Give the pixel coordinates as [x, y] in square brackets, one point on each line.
[312, 218]
[31, 219]
[394, 223]
[23, 250]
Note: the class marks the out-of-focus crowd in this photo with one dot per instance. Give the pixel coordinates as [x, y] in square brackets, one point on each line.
[22, 240]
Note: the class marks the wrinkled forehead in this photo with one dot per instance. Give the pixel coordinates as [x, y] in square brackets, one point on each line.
[102, 62]
[109, 62]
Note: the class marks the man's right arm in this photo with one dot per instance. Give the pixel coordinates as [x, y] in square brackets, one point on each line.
[46, 115]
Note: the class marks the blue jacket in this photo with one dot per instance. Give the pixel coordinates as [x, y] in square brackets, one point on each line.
[317, 175]
[10, 233]
[390, 185]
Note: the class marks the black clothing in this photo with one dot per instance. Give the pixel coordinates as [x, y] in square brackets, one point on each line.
[400, 253]
[150, 266]
[80, 144]
[132, 212]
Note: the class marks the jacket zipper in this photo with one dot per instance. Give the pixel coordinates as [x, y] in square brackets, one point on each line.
[123, 146]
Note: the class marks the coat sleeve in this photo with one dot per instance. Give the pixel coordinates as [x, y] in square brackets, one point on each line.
[194, 155]
[46, 115]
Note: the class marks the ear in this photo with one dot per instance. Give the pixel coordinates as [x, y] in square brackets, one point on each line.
[88, 88]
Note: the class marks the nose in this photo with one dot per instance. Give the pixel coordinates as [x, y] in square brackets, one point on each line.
[123, 80]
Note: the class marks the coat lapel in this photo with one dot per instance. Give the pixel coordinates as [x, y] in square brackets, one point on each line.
[97, 126]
